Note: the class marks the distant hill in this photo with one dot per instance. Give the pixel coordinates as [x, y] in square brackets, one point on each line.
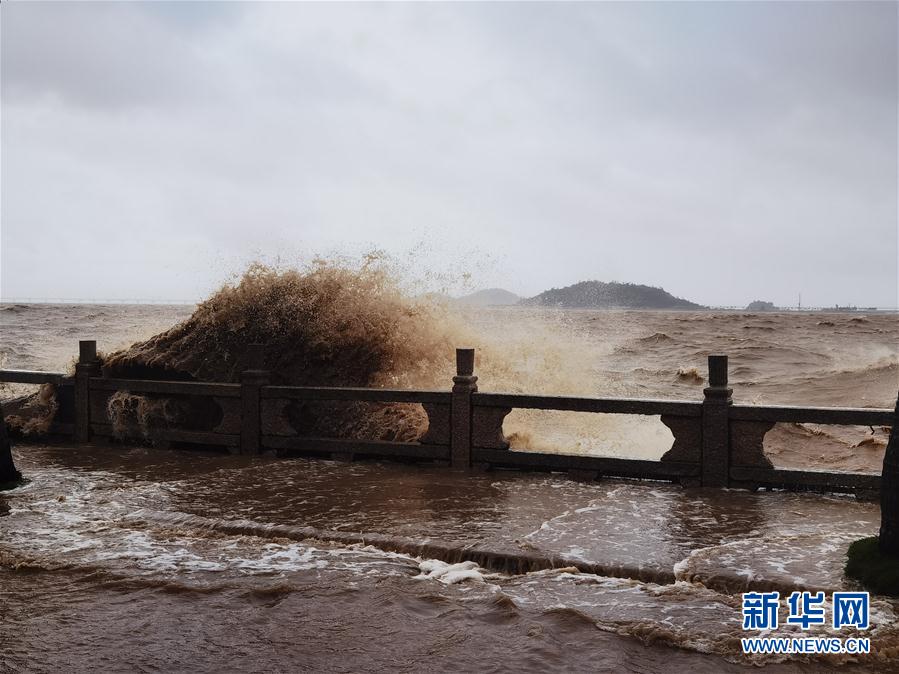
[600, 295]
[490, 297]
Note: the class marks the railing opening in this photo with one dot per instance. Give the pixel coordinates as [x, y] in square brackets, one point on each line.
[853, 449]
[587, 434]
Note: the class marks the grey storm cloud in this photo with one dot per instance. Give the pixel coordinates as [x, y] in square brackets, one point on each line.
[726, 151]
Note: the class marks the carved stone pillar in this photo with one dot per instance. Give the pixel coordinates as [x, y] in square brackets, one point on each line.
[715, 422]
[87, 366]
[464, 384]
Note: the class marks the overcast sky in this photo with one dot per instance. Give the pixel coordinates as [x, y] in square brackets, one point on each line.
[727, 152]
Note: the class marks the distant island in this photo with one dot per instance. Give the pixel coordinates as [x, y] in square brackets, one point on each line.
[490, 298]
[600, 295]
[615, 295]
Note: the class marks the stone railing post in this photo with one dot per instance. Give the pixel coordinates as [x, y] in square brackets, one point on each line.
[464, 384]
[252, 379]
[889, 492]
[8, 473]
[715, 425]
[88, 366]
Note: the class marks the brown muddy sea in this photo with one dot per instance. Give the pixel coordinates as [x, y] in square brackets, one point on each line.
[129, 558]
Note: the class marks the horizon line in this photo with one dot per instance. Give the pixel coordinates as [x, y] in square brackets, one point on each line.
[187, 302]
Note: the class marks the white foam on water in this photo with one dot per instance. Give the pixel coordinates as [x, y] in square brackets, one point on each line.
[280, 558]
[72, 519]
[450, 574]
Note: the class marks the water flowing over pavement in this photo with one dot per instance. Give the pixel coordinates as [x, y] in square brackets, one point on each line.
[183, 554]
[132, 558]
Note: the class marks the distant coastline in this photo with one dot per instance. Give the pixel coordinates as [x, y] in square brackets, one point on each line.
[599, 295]
[588, 295]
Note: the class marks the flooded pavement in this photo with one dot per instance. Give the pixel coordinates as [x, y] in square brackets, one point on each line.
[121, 557]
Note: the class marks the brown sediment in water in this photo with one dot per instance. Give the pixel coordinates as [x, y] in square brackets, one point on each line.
[205, 526]
[690, 375]
[128, 412]
[326, 325]
[34, 414]
[333, 324]
[580, 353]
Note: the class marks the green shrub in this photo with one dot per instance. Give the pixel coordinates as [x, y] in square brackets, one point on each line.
[877, 572]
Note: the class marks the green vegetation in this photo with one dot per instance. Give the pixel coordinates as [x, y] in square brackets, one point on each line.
[4, 486]
[10, 478]
[878, 572]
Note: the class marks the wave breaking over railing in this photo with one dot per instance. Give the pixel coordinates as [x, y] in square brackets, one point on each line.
[716, 443]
